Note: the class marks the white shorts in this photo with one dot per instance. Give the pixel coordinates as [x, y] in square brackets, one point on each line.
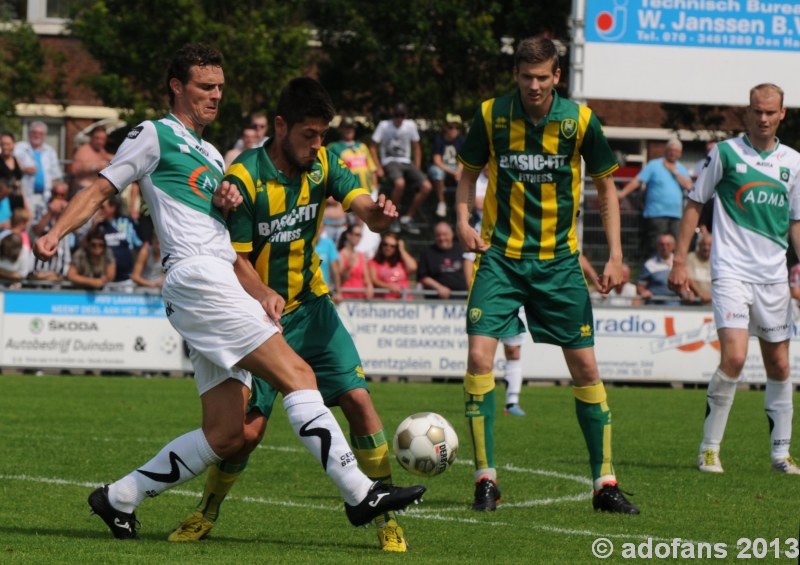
[763, 309]
[220, 322]
[518, 339]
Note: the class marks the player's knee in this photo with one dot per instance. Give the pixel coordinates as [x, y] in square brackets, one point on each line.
[226, 442]
[733, 364]
[254, 429]
[425, 187]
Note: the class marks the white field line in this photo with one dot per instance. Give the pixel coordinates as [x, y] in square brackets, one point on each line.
[435, 515]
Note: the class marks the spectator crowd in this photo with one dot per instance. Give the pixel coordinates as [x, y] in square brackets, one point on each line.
[418, 256]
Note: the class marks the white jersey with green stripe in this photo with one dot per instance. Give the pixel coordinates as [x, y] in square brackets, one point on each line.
[757, 194]
[177, 172]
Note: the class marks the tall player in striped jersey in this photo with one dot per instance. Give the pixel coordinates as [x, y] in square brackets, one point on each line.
[756, 180]
[533, 141]
[229, 332]
[285, 187]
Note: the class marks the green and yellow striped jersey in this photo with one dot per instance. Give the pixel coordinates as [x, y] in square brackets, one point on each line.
[280, 219]
[534, 171]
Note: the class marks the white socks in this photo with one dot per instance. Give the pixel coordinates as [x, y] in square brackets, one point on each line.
[719, 400]
[180, 460]
[320, 433]
[513, 376]
[778, 405]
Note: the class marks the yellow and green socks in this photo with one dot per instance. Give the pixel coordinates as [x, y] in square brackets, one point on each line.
[219, 482]
[479, 410]
[594, 418]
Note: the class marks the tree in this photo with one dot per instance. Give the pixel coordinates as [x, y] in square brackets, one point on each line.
[264, 44]
[437, 57]
[23, 64]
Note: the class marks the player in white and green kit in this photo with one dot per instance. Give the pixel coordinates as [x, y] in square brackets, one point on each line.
[756, 180]
[228, 331]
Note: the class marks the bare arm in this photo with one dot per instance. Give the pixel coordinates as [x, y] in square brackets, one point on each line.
[270, 301]
[373, 150]
[678, 277]
[609, 214]
[465, 199]
[633, 184]
[378, 215]
[417, 154]
[408, 261]
[82, 207]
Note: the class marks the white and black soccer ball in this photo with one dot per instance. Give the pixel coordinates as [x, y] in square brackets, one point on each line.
[425, 444]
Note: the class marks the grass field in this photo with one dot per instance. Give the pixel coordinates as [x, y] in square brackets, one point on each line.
[62, 436]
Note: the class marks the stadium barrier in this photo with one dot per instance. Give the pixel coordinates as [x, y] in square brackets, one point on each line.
[415, 339]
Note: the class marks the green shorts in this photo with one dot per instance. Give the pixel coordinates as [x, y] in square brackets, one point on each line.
[554, 293]
[315, 331]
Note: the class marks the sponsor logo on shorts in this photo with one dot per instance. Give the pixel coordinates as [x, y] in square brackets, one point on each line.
[586, 330]
[735, 316]
[773, 329]
[475, 315]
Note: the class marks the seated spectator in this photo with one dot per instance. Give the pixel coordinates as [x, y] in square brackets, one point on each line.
[55, 270]
[400, 161]
[147, 271]
[392, 267]
[93, 265]
[624, 294]
[698, 268]
[5, 203]
[121, 237]
[249, 139]
[9, 165]
[329, 265]
[12, 260]
[334, 219]
[90, 158]
[446, 170]
[353, 265]
[652, 285]
[441, 264]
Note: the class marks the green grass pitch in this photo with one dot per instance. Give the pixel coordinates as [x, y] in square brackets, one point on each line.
[62, 436]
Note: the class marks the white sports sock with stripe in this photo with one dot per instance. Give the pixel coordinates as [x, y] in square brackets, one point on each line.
[320, 433]
[180, 460]
[778, 405]
[719, 400]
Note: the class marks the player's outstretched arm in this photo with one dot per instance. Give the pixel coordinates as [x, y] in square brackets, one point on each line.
[378, 215]
[82, 207]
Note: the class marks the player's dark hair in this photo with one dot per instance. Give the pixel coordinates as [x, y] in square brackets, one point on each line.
[188, 56]
[535, 50]
[302, 98]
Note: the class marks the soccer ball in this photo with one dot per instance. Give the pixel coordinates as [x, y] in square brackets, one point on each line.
[425, 444]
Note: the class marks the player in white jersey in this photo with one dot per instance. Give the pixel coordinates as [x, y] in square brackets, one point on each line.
[756, 181]
[230, 331]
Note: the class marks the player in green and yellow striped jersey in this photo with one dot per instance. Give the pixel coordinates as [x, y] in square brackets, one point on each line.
[533, 141]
